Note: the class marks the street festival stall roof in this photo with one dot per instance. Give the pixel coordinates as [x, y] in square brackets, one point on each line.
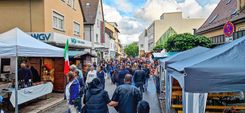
[176, 58]
[78, 54]
[17, 43]
[218, 70]
[161, 55]
[25, 45]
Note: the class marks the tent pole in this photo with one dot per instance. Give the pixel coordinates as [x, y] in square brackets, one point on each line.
[16, 86]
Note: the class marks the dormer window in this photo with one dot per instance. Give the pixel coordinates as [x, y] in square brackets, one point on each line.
[213, 18]
[88, 4]
[228, 1]
[234, 12]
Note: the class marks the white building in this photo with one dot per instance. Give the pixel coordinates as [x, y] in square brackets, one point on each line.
[174, 20]
[143, 43]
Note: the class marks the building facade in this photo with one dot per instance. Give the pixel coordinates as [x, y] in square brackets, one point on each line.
[111, 35]
[94, 26]
[51, 21]
[227, 10]
[65, 17]
[167, 20]
[143, 43]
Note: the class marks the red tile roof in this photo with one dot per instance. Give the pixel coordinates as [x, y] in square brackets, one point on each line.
[225, 11]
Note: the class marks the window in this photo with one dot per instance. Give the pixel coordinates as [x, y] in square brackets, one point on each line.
[5, 65]
[142, 45]
[76, 28]
[228, 2]
[58, 21]
[215, 16]
[71, 3]
[97, 38]
[98, 23]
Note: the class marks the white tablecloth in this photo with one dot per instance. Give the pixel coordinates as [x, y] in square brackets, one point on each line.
[30, 93]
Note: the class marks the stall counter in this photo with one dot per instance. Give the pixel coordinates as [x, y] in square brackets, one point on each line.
[30, 93]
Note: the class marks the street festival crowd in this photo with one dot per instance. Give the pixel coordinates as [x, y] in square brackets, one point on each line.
[85, 92]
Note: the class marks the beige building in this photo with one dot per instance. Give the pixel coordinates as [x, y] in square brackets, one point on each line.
[63, 17]
[167, 20]
[226, 10]
[111, 39]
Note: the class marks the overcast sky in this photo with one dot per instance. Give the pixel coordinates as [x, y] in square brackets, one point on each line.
[133, 16]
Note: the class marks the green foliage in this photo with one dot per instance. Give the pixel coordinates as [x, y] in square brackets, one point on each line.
[182, 42]
[132, 50]
[158, 48]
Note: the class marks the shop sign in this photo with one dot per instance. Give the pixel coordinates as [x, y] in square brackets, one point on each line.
[76, 41]
[42, 36]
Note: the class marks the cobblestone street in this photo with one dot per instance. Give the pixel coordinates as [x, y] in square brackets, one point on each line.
[149, 96]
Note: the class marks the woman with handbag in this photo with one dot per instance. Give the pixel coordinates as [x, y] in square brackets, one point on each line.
[96, 98]
[72, 93]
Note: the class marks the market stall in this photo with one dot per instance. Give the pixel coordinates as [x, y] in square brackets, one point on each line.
[17, 45]
[215, 71]
[169, 81]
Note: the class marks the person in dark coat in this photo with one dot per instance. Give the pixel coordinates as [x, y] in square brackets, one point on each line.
[143, 107]
[126, 97]
[129, 69]
[96, 99]
[139, 78]
[24, 74]
[147, 72]
[101, 76]
[121, 75]
[36, 77]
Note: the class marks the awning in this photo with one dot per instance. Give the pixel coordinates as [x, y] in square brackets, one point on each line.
[78, 54]
[162, 55]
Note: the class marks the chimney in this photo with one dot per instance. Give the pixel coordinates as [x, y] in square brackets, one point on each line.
[238, 5]
[242, 4]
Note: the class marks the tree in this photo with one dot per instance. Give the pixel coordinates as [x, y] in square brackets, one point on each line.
[158, 48]
[182, 42]
[132, 50]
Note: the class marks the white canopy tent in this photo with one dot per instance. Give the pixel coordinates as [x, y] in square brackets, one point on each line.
[19, 43]
[15, 43]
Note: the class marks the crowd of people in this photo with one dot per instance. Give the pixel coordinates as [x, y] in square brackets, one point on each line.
[129, 75]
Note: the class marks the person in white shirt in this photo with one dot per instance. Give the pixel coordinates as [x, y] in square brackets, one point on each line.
[91, 75]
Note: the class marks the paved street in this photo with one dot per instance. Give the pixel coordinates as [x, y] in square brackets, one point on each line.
[149, 96]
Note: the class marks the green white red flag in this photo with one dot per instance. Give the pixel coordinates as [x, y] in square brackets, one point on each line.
[66, 57]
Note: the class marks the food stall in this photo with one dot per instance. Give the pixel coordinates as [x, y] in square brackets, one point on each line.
[15, 45]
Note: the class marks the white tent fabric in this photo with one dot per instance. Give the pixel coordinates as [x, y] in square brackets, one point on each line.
[26, 45]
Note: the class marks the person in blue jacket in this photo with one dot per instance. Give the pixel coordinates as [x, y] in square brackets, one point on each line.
[101, 75]
[121, 75]
[72, 92]
[126, 97]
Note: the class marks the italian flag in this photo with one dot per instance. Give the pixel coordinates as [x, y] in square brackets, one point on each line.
[66, 57]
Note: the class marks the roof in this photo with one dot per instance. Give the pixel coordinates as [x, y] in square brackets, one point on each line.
[80, 4]
[225, 11]
[90, 11]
